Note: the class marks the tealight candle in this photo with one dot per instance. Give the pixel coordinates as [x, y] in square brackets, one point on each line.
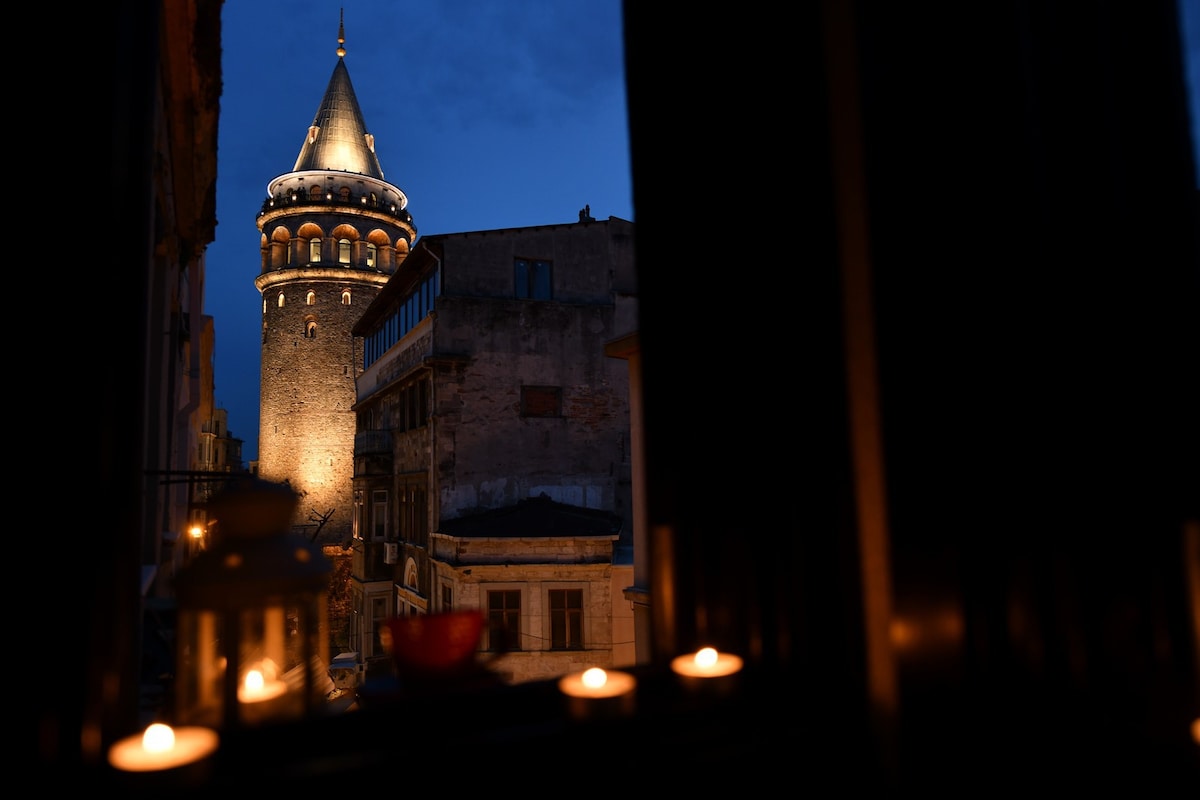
[257, 689]
[597, 693]
[262, 697]
[161, 747]
[707, 669]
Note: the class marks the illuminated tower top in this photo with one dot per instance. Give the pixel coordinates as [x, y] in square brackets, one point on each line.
[337, 140]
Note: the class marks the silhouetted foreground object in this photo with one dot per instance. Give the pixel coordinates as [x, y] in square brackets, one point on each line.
[252, 631]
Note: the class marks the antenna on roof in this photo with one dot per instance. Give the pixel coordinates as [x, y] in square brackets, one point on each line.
[341, 51]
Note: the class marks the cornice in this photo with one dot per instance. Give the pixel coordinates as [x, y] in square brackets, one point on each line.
[282, 277]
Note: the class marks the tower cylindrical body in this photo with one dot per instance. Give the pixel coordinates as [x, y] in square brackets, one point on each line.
[320, 270]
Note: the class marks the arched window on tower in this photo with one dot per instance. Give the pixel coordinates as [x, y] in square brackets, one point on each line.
[310, 329]
[343, 251]
[314, 249]
[314, 192]
[311, 298]
[372, 252]
[344, 194]
[281, 299]
[345, 297]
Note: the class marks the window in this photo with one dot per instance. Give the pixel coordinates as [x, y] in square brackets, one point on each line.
[310, 330]
[447, 597]
[407, 315]
[343, 251]
[379, 507]
[344, 194]
[345, 297]
[566, 619]
[541, 401]
[359, 522]
[311, 298]
[413, 501]
[504, 620]
[314, 193]
[314, 250]
[379, 615]
[412, 406]
[357, 628]
[532, 279]
[281, 299]
[372, 252]
[415, 401]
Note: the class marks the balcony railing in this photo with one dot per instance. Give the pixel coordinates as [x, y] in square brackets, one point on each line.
[296, 200]
[368, 443]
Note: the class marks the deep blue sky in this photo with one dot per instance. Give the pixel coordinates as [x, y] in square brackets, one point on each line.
[486, 113]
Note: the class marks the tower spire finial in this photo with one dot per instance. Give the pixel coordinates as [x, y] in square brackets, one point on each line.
[341, 51]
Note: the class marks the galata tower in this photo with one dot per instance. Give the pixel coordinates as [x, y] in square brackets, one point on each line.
[333, 232]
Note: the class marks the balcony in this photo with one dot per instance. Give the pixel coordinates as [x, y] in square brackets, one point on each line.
[372, 453]
[360, 201]
[372, 443]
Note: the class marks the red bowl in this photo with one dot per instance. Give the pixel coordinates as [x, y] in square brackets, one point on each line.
[434, 643]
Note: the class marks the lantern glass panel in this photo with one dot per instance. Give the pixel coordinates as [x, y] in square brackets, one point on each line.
[253, 623]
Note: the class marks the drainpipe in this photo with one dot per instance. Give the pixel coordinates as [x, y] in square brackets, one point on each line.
[435, 496]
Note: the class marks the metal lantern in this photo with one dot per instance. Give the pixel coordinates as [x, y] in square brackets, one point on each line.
[252, 640]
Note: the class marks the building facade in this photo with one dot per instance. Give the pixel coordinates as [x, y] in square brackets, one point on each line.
[333, 231]
[493, 453]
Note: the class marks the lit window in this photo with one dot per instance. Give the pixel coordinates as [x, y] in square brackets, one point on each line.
[314, 249]
[281, 299]
[345, 297]
[343, 251]
[311, 298]
[371, 253]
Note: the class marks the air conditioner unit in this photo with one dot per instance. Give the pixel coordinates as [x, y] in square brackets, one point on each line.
[391, 552]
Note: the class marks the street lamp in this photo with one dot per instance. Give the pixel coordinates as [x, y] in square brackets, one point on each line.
[252, 631]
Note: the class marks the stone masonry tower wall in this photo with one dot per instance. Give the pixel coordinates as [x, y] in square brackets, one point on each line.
[309, 363]
[310, 302]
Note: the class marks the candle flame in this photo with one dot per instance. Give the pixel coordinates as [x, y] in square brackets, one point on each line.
[594, 678]
[254, 681]
[158, 738]
[706, 657]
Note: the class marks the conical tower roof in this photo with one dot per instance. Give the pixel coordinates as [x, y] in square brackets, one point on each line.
[338, 138]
